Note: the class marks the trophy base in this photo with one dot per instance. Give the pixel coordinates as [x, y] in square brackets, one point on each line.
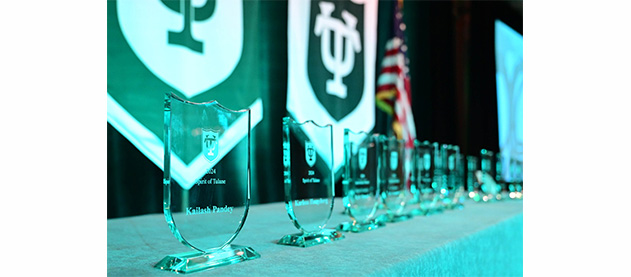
[392, 218]
[455, 206]
[311, 239]
[195, 261]
[417, 212]
[358, 227]
[427, 211]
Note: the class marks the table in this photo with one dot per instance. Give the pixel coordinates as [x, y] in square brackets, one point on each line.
[482, 239]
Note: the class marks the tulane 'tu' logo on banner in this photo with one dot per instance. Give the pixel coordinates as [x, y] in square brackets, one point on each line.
[331, 71]
[335, 44]
[194, 39]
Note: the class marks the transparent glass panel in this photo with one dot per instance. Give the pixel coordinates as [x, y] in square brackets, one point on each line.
[473, 184]
[489, 189]
[453, 190]
[428, 193]
[396, 192]
[516, 184]
[362, 166]
[205, 202]
[308, 180]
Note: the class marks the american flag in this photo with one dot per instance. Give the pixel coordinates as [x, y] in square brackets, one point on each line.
[393, 85]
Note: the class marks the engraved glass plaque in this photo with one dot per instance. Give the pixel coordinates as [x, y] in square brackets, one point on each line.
[396, 192]
[205, 203]
[461, 177]
[362, 166]
[499, 179]
[473, 185]
[438, 182]
[308, 182]
[453, 190]
[489, 189]
[516, 179]
[427, 193]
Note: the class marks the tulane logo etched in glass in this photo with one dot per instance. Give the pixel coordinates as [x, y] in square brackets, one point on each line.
[310, 153]
[206, 210]
[361, 183]
[209, 143]
[308, 182]
[362, 158]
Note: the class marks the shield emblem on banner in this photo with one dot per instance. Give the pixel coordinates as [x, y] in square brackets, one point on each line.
[195, 49]
[310, 153]
[178, 34]
[210, 144]
[335, 60]
[362, 158]
[394, 160]
[332, 52]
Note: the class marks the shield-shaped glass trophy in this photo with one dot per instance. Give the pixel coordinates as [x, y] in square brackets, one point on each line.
[516, 179]
[362, 166]
[473, 185]
[309, 185]
[453, 190]
[439, 178]
[206, 199]
[499, 178]
[461, 178]
[490, 190]
[427, 192]
[396, 192]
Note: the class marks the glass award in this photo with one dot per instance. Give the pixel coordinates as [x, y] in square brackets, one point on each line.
[438, 180]
[453, 190]
[516, 179]
[396, 192]
[206, 199]
[309, 185]
[461, 177]
[473, 184]
[499, 179]
[427, 193]
[489, 189]
[361, 180]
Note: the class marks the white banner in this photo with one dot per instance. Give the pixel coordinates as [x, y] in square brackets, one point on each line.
[509, 57]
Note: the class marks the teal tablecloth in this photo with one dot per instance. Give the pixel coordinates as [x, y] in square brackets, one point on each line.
[483, 239]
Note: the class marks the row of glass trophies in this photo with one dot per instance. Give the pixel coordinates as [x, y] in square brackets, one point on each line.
[206, 200]
[380, 172]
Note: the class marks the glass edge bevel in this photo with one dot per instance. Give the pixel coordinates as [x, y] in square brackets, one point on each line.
[166, 179]
[290, 120]
[331, 175]
[208, 103]
[358, 132]
[246, 207]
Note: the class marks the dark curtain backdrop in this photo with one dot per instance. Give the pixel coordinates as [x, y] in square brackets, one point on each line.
[452, 71]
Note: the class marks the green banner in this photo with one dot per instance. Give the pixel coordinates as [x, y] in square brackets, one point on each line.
[200, 53]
